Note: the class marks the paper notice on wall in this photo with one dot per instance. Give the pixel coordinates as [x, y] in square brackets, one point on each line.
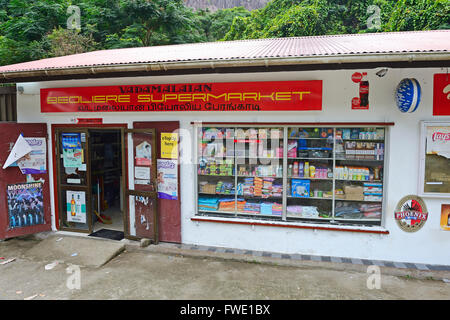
[34, 162]
[167, 179]
[438, 141]
[76, 206]
[142, 173]
[169, 145]
[20, 149]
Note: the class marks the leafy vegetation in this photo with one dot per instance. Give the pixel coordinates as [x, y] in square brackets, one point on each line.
[35, 29]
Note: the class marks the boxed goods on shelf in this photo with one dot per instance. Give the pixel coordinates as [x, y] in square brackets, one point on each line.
[300, 188]
[354, 192]
[373, 191]
[208, 188]
[302, 211]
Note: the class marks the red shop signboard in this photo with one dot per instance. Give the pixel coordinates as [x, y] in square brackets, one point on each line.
[441, 94]
[232, 96]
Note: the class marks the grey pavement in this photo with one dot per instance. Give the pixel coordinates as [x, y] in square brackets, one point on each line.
[171, 272]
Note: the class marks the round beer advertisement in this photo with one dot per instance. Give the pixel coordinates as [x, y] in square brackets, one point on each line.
[411, 213]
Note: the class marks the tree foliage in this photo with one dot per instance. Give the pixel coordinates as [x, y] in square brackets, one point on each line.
[34, 29]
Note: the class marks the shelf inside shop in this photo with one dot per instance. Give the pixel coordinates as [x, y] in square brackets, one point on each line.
[307, 178]
[340, 159]
[297, 138]
[309, 158]
[312, 198]
[336, 199]
[214, 175]
[217, 211]
[241, 213]
[350, 219]
[308, 218]
[251, 176]
[371, 140]
[217, 194]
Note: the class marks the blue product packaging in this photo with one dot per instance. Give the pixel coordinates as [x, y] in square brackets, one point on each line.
[300, 188]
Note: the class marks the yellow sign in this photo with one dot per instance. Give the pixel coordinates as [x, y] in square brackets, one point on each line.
[169, 145]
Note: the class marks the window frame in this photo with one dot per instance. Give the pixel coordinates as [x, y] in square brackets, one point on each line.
[285, 126]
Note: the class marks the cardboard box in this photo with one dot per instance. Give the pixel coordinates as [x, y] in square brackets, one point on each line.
[354, 196]
[354, 190]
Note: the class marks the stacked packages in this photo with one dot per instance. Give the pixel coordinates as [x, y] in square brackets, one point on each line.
[208, 204]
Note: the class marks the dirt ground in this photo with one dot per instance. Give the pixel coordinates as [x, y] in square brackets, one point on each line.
[147, 275]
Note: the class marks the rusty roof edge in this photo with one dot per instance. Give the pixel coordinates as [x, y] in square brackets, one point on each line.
[247, 62]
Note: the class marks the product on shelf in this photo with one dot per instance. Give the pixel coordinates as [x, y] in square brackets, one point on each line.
[292, 149]
[302, 211]
[208, 204]
[252, 207]
[373, 191]
[206, 187]
[357, 211]
[354, 192]
[226, 204]
[300, 188]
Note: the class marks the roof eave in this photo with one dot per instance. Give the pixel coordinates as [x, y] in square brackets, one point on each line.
[268, 62]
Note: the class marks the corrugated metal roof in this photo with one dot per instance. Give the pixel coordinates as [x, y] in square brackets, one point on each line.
[319, 46]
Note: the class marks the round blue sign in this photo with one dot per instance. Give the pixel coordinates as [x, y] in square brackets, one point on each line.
[408, 95]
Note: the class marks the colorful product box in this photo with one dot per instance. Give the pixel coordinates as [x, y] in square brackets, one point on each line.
[300, 188]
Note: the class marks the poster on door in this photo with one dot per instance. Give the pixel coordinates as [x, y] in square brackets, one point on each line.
[167, 179]
[25, 205]
[72, 151]
[34, 162]
[169, 145]
[76, 206]
[144, 154]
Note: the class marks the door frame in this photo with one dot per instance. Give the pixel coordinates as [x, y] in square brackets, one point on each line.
[55, 145]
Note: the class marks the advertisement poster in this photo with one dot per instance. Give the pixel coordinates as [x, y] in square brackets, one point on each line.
[76, 206]
[361, 102]
[441, 94]
[72, 151]
[34, 162]
[167, 179]
[144, 154]
[445, 217]
[169, 145]
[25, 205]
[438, 141]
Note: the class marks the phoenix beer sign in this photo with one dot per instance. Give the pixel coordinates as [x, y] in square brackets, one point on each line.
[411, 213]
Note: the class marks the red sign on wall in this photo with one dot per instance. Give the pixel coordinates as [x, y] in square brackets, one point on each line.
[232, 96]
[441, 94]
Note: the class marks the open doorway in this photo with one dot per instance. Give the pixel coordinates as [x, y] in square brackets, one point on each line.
[90, 181]
[106, 179]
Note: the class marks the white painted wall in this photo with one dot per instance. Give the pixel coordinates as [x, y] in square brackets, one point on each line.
[428, 245]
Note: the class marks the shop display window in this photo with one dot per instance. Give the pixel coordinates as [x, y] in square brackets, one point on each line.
[435, 164]
[299, 174]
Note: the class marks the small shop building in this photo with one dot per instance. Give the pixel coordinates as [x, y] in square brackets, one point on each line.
[328, 145]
